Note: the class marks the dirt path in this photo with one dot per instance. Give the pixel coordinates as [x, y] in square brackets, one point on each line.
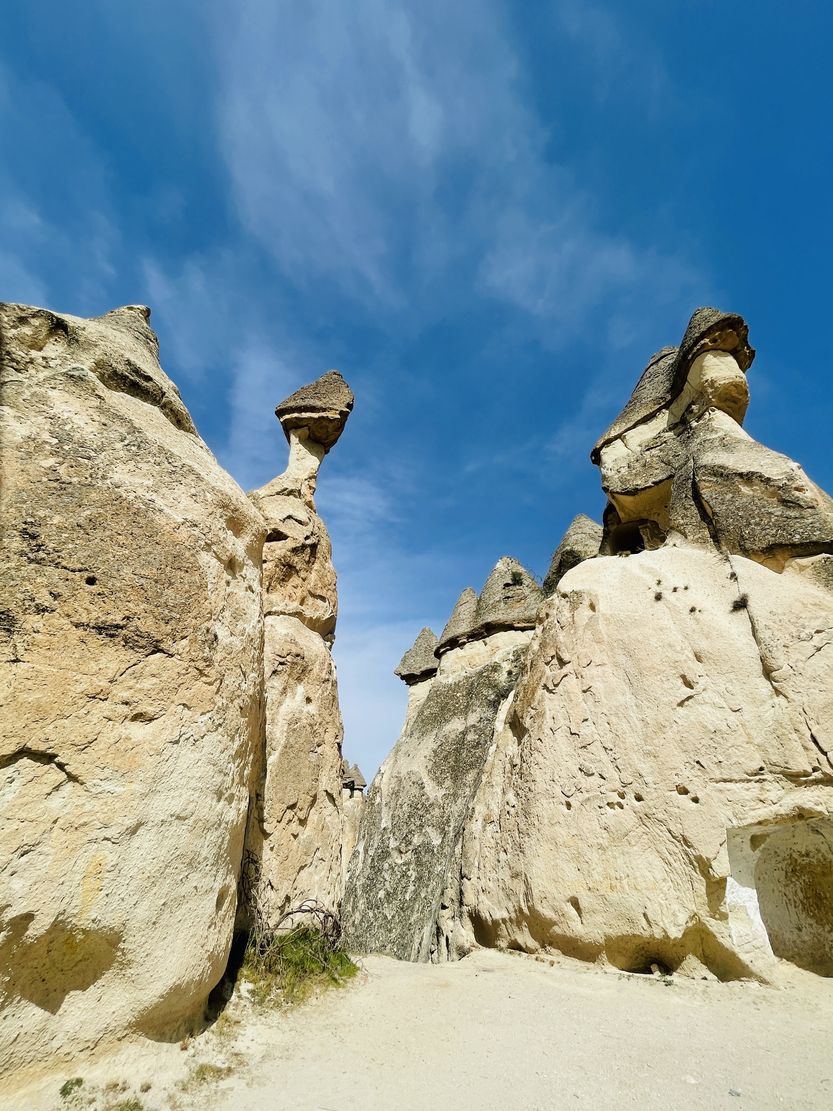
[499, 1031]
[495, 1032]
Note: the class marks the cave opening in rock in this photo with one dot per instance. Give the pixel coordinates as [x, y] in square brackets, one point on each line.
[781, 890]
[794, 881]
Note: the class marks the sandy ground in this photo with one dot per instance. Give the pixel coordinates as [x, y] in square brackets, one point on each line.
[495, 1031]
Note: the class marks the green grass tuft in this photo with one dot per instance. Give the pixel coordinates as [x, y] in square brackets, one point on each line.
[289, 965]
[70, 1086]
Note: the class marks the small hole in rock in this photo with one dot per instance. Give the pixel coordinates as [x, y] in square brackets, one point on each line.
[91, 580]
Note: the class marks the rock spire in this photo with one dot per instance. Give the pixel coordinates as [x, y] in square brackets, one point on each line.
[419, 662]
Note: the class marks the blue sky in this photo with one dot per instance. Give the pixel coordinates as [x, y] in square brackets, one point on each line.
[486, 215]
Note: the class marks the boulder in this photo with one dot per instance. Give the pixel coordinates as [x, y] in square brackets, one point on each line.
[131, 689]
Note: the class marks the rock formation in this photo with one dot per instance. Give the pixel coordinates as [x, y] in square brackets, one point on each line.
[296, 826]
[582, 540]
[131, 675]
[353, 784]
[656, 789]
[156, 687]
[402, 891]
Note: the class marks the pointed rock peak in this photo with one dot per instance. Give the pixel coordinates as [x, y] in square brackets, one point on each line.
[665, 375]
[419, 661]
[461, 622]
[510, 598]
[581, 541]
[322, 407]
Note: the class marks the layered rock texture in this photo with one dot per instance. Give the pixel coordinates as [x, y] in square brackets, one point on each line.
[166, 674]
[656, 788]
[131, 676]
[402, 892]
[295, 830]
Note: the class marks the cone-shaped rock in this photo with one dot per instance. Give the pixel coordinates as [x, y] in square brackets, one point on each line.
[419, 661]
[323, 407]
[509, 600]
[665, 374]
[461, 623]
[581, 541]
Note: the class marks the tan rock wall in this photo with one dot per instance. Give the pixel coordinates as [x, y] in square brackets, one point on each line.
[671, 701]
[130, 684]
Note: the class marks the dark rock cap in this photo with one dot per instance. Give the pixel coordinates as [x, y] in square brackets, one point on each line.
[323, 407]
[461, 623]
[509, 600]
[419, 661]
[666, 372]
[351, 774]
[581, 541]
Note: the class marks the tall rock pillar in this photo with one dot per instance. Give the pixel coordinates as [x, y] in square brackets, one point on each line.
[295, 830]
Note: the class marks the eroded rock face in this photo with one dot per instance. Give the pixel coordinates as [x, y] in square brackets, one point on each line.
[132, 654]
[607, 817]
[403, 881]
[676, 464]
[581, 541]
[296, 830]
[657, 788]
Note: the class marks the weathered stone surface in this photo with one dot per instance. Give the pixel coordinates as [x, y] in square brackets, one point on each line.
[402, 887]
[419, 662]
[508, 600]
[667, 370]
[675, 714]
[299, 579]
[130, 686]
[461, 623]
[322, 408]
[353, 784]
[298, 834]
[296, 830]
[678, 464]
[581, 541]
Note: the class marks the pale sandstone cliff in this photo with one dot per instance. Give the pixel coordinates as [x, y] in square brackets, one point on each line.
[658, 787]
[131, 681]
[156, 688]
[295, 830]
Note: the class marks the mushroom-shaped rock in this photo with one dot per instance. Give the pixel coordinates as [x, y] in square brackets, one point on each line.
[352, 777]
[461, 623]
[419, 662]
[581, 541]
[509, 600]
[322, 407]
[665, 375]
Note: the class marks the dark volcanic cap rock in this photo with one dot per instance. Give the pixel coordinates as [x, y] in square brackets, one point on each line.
[666, 372]
[323, 407]
[419, 661]
[509, 600]
[461, 623]
[581, 541]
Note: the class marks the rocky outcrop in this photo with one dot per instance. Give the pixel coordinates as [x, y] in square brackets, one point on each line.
[677, 465]
[353, 785]
[131, 679]
[295, 831]
[676, 708]
[657, 787]
[582, 540]
[402, 890]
